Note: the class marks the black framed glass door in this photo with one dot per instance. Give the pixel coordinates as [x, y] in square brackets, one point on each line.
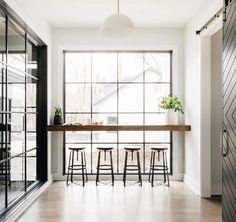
[22, 63]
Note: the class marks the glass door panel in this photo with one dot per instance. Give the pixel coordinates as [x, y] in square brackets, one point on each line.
[3, 153]
[18, 110]
[32, 57]
[31, 164]
[16, 47]
[17, 136]
[2, 38]
[16, 186]
[16, 96]
[31, 135]
[31, 97]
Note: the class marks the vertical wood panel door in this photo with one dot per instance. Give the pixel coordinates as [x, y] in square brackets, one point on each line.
[228, 146]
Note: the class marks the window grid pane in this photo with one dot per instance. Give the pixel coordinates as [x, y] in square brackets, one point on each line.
[116, 88]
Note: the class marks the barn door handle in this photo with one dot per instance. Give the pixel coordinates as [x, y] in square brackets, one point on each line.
[224, 132]
[24, 123]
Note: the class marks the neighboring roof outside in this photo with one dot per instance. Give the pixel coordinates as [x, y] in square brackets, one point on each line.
[110, 89]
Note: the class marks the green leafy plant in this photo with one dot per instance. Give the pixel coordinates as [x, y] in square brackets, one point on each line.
[58, 111]
[173, 103]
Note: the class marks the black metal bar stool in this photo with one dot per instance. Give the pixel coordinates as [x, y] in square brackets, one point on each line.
[105, 167]
[76, 167]
[161, 152]
[132, 167]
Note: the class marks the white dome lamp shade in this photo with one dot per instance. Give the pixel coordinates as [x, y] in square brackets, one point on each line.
[117, 25]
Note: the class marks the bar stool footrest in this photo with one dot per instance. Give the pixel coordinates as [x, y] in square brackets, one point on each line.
[159, 168]
[132, 168]
[104, 167]
[75, 168]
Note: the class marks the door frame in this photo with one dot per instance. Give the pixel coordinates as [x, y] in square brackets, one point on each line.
[205, 109]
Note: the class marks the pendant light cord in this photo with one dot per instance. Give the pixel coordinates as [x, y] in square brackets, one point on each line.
[118, 6]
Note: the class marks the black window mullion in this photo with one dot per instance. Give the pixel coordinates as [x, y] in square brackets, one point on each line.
[117, 109]
[25, 115]
[91, 115]
[6, 118]
[2, 115]
[171, 93]
[144, 147]
[64, 113]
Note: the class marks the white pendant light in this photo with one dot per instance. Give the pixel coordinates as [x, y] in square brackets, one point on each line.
[117, 25]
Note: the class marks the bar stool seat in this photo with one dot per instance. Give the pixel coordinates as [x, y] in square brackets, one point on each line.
[104, 167]
[159, 148]
[132, 167]
[77, 167]
[76, 148]
[132, 148]
[105, 148]
[158, 167]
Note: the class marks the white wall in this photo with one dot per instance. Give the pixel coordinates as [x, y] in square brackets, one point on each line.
[196, 102]
[216, 111]
[91, 39]
[30, 14]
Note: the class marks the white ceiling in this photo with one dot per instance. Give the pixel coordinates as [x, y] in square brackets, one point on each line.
[91, 13]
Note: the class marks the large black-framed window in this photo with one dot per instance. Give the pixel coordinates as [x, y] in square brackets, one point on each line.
[116, 87]
[22, 111]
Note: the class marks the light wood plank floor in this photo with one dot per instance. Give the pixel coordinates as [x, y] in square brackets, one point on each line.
[121, 204]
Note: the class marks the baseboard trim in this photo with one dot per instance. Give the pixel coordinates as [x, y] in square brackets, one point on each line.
[175, 177]
[216, 190]
[27, 202]
[191, 184]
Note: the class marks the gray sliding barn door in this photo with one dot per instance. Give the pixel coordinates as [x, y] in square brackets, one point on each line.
[229, 110]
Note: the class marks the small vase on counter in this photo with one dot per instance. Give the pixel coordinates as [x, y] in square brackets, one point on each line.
[58, 118]
[172, 107]
[171, 117]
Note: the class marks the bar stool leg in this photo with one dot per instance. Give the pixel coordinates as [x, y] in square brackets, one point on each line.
[164, 165]
[125, 167]
[68, 172]
[82, 163]
[112, 172]
[72, 167]
[168, 181]
[139, 169]
[98, 166]
[85, 163]
[149, 175]
[153, 168]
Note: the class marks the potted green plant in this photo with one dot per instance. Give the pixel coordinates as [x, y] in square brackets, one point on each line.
[58, 118]
[173, 106]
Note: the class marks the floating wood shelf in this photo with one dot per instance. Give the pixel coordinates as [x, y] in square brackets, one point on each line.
[119, 128]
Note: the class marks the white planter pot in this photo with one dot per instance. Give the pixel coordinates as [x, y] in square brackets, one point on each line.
[171, 117]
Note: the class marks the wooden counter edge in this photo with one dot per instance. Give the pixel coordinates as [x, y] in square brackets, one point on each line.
[119, 128]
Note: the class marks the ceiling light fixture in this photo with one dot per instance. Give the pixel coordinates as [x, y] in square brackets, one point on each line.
[117, 25]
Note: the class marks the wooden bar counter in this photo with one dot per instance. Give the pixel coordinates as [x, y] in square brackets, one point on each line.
[119, 128]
